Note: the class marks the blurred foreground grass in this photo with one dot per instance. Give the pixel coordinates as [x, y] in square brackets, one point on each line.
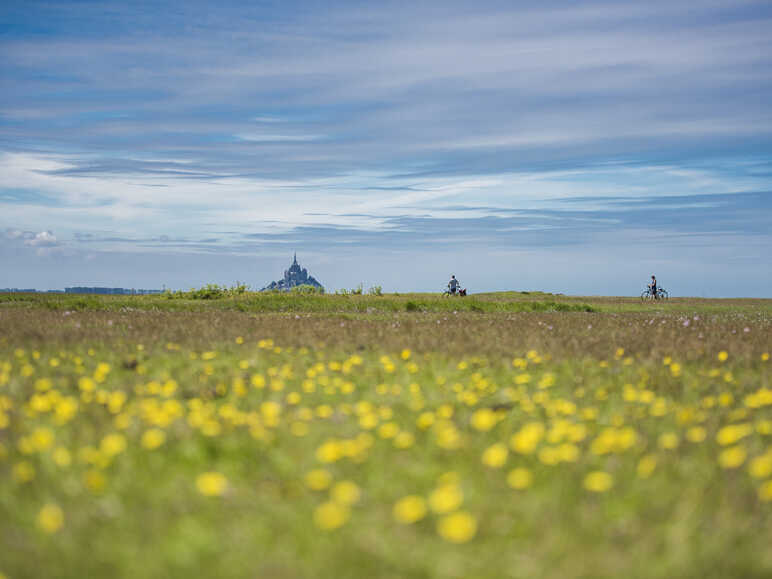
[415, 444]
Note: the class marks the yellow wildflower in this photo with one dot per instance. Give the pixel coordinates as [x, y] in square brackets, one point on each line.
[94, 481]
[519, 478]
[293, 398]
[318, 479]
[484, 419]
[495, 456]
[329, 451]
[445, 411]
[388, 430]
[646, 466]
[447, 435]
[761, 466]
[50, 518]
[43, 384]
[527, 438]
[368, 421]
[547, 381]
[211, 483]
[42, 438]
[568, 452]
[409, 509]
[270, 409]
[86, 384]
[23, 472]
[113, 444]
[61, 456]
[459, 527]
[668, 440]
[523, 378]
[404, 440]
[732, 457]
[153, 438]
[733, 433]
[598, 481]
[345, 493]
[446, 498]
[726, 398]
[549, 455]
[696, 434]
[331, 515]
[324, 411]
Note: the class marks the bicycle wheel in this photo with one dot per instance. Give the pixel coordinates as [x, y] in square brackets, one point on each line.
[645, 295]
[663, 295]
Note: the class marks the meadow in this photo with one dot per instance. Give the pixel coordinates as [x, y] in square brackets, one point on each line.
[500, 435]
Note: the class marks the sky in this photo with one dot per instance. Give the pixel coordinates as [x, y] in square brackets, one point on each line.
[572, 147]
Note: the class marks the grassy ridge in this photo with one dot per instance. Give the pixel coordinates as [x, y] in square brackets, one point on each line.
[494, 302]
[285, 302]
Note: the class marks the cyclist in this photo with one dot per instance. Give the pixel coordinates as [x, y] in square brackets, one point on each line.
[453, 285]
[653, 287]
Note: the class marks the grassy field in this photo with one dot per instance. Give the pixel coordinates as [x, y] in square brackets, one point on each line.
[500, 435]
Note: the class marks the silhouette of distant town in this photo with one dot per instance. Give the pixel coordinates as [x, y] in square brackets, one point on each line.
[293, 277]
[120, 291]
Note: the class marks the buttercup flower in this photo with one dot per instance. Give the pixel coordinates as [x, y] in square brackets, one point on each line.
[331, 515]
[732, 457]
[50, 518]
[598, 481]
[410, 509]
[495, 456]
[153, 438]
[318, 479]
[211, 483]
[446, 498]
[519, 478]
[345, 492]
[459, 527]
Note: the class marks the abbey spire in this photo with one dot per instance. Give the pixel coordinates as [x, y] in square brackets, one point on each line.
[293, 277]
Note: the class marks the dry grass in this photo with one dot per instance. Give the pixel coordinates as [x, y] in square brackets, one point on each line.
[647, 335]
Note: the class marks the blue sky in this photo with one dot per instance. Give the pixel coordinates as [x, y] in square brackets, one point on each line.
[560, 146]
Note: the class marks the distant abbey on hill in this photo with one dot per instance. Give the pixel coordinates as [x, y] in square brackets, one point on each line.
[294, 276]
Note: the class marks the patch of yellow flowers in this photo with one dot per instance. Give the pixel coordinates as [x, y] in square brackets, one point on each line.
[516, 426]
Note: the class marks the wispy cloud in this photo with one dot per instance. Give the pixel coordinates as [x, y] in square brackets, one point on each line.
[382, 123]
[276, 138]
[44, 242]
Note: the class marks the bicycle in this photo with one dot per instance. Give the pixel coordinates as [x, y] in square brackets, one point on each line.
[459, 293]
[661, 294]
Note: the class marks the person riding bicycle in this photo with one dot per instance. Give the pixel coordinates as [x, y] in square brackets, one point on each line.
[653, 287]
[453, 285]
